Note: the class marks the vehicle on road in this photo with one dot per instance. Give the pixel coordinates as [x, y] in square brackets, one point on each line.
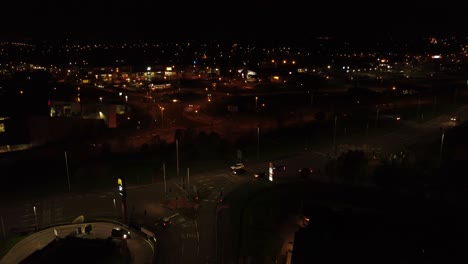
[118, 232]
[455, 119]
[163, 222]
[236, 166]
[305, 172]
[259, 175]
[280, 168]
[238, 171]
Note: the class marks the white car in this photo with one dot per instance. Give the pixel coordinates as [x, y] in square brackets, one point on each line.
[237, 166]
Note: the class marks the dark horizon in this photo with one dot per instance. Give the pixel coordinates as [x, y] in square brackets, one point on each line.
[257, 20]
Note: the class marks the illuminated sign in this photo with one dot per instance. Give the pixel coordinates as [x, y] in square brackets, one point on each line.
[270, 171]
[121, 188]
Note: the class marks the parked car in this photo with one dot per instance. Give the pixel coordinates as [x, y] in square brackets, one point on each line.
[236, 166]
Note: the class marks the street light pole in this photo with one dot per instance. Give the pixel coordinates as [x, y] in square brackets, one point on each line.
[256, 104]
[334, 134]
[377, 118]
[258, 143]
[311, 97]
[441, 147]
[177, 158]
[35, 217]
[367, 129]
[162, 117]
[68, 174]
[418, 108]
[188, 178]
[367, 135]
[164, 177]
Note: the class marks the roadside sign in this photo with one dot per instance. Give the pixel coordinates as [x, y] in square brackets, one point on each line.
[270, 171]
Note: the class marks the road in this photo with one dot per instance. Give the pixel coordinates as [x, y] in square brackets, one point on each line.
[191, 240]
[410, 133]
[184, 242]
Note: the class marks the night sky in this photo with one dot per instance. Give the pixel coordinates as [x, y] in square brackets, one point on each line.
[206, 19]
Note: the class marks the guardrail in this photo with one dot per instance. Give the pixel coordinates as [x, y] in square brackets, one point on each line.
[29, 230]
[10, 148]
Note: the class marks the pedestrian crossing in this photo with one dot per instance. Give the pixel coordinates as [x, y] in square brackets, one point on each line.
[210, 189]
[186, 227]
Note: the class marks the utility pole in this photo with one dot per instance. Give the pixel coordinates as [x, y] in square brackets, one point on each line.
[68, 174]
[258, 143]
[177, 161]
[164, 178]
[334, 134]
[188, 177]
[377, 118]
[441, 146]
[419, 108]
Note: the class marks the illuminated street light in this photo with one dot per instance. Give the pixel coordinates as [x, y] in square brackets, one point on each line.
[100, 99]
